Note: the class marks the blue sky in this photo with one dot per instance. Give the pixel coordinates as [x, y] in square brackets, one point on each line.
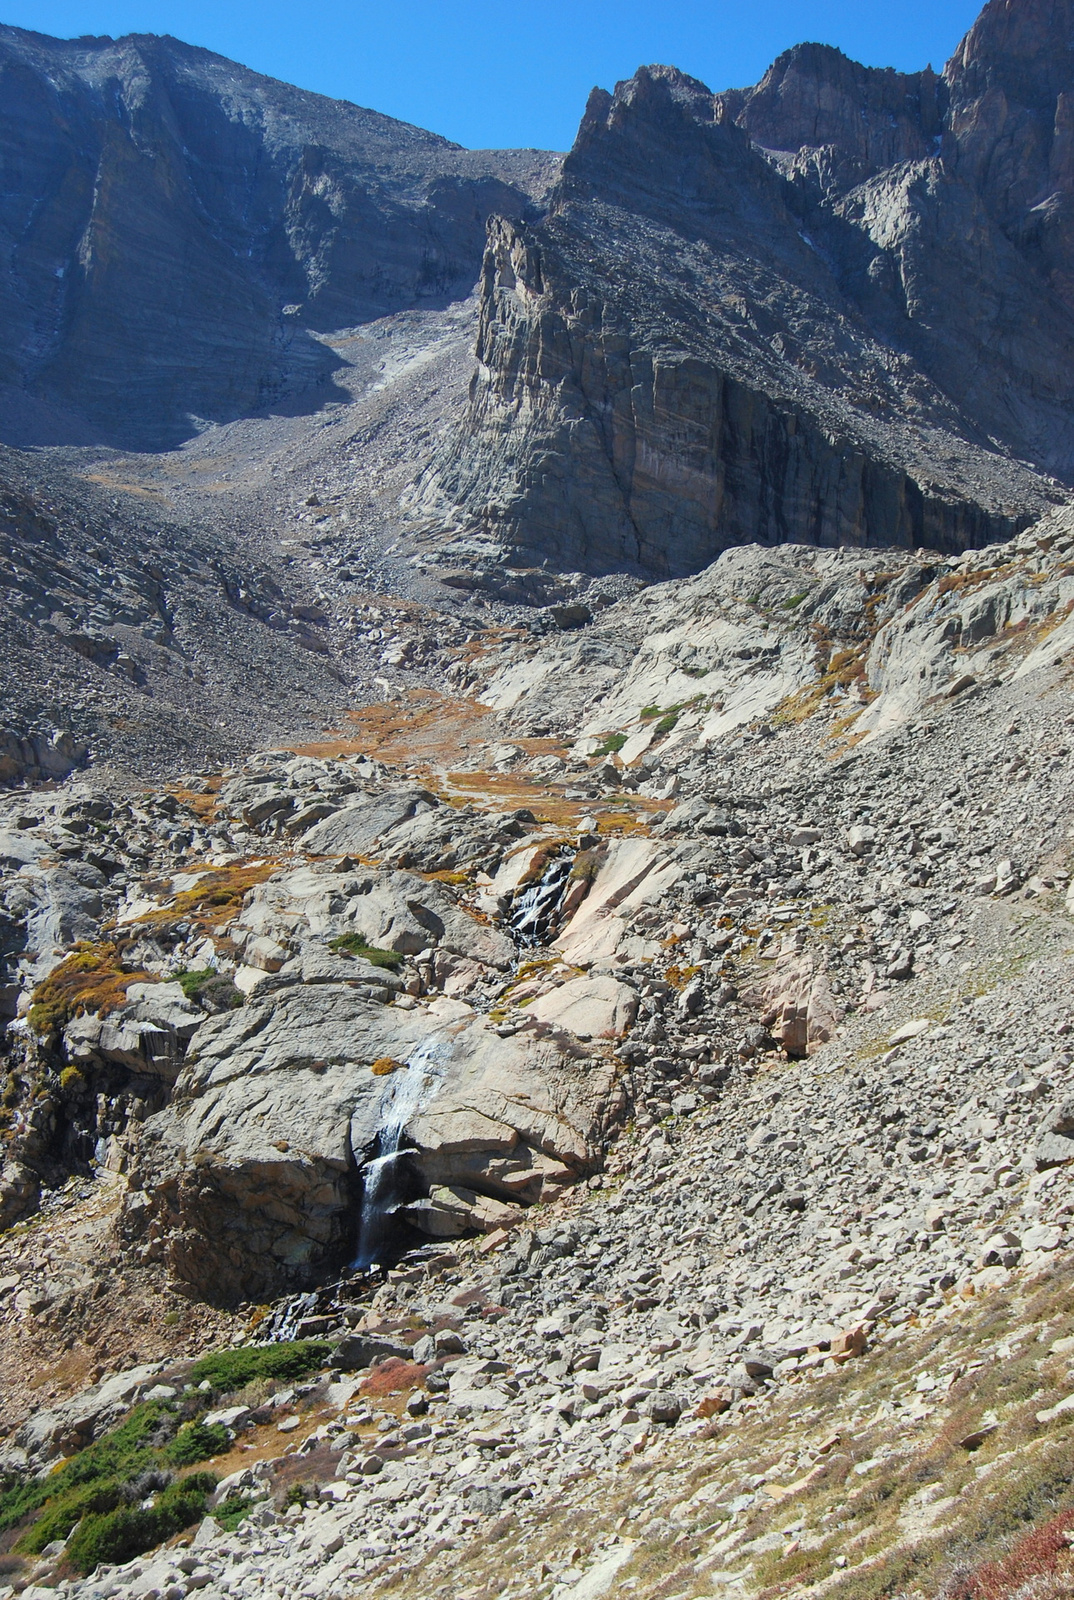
[515, 72]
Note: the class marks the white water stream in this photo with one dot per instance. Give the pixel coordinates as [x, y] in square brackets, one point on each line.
[533, 914]
[409, 1091]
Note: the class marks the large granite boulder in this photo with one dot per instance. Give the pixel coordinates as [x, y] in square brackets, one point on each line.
[634, 872]
[148, 1034]
[592, 1008]
[396, 911]
[357, 828]
[250, 1181]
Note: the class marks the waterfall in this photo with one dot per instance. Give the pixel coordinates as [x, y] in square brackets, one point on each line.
[409, 1091]
[533, 913]
[283, 1323]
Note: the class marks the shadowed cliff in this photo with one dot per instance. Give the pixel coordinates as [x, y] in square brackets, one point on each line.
[177, 230]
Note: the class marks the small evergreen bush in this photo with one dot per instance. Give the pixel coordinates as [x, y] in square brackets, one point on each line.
[198, 1441]
[119, 1535]
[231, 1369]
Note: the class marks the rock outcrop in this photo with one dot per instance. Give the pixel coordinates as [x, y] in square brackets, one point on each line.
[252, 1177]
[828, 310]
[247, 1104]
[291, 214]
[783, 634]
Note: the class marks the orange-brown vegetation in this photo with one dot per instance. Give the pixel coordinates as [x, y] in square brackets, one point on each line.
[394, 1376]
[843, 669]
[91, 979]
[215, 898]
[1042, 1555]
[423, 728]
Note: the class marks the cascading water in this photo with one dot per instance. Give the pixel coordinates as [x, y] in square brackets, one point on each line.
[533, 913]
[283, 1323]
[409, 1092]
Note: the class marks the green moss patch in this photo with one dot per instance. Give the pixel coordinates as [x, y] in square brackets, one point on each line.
[352, 944]
[612, 745]
[192, 982]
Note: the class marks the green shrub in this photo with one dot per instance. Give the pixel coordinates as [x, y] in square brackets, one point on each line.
[96, 1499]
[670, 715]
[17, 1500]
[195, 1483]
[116, 1536]
[120, 1535]
[116, 1456]
[612, 744]
[61, 1516]
[794, 600]
[123, 1452]
[101, 1485]
[212, 990]
[352, 944]
[230, 1369]
[196, 1442]
[191, 982]
[232, 1512]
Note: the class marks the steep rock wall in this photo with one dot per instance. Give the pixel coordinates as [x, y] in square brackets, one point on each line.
[619, 456]
[831, 309]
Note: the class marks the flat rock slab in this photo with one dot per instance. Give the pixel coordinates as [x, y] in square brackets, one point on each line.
[592, 1008]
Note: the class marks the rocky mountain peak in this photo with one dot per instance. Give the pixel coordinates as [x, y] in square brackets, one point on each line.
[660, 146]
[814, 96]
[718, 274]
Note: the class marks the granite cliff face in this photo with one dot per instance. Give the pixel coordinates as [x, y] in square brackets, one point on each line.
[831, 309]
[176, 230]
